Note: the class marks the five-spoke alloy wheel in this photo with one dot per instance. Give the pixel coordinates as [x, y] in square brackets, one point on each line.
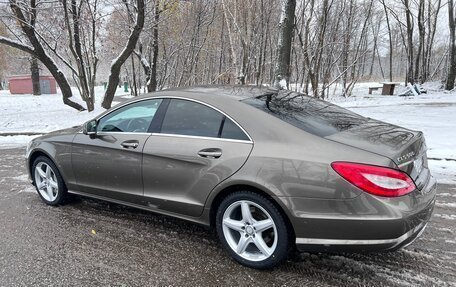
[48, 181]
[252, 230]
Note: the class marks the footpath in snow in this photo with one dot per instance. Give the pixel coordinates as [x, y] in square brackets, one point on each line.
[433, 113]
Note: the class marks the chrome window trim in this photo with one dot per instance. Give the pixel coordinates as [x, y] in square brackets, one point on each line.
[119, 133]
[201, 137]
[123, 133]
[188, 99]
[395, 241]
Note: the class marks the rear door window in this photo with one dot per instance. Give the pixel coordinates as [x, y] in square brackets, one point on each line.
[184, 117]
[190, 118]
[231, 131]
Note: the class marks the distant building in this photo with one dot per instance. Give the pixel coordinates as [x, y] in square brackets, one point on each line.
[22, 84]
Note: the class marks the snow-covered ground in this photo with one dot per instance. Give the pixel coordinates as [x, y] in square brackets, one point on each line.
[45, 113]
[434, 114]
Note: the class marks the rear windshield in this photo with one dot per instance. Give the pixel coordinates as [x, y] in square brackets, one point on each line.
[309, 114]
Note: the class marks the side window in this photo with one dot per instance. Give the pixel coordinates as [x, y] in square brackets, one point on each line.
[232, 131]
[189, 118]
[135, 117]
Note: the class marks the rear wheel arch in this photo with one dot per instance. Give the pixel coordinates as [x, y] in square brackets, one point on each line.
[245, 187]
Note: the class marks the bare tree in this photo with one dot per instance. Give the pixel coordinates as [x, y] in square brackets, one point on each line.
[81, 21]
[452, 66]
[286, 25]
[26, 15]
[409, 78]
[35, 73]
[117, 63]
[390, 39]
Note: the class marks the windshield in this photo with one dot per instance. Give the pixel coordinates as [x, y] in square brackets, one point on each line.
[309, 114]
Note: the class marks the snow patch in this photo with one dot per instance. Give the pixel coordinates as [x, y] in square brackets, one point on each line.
[446, 194]
[283, 84]
[446, 204]
[22, 177]
[15, 141]
[45, 113]
[445, 216]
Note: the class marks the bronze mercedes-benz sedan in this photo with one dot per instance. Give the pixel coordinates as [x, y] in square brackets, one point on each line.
[269, 169]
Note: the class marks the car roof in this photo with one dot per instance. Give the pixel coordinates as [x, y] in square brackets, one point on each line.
[234, 92]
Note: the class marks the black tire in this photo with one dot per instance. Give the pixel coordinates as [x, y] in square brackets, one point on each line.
[283, 245]
[61, 194]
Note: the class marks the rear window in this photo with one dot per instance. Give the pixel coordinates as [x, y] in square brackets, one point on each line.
[309, 114]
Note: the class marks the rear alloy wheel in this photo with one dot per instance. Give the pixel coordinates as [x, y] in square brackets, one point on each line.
[252, 230]
[48, 181]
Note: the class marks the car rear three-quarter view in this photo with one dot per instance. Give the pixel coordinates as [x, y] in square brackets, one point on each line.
[268, 169]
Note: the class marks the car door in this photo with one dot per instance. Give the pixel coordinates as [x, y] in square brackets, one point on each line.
[108, 164]
[196, 148]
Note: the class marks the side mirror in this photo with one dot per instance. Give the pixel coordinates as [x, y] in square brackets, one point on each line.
[90, 128]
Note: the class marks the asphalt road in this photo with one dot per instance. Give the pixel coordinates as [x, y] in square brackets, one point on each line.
[56, 246]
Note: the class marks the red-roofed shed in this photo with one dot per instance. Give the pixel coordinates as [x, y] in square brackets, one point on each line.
[22, 84]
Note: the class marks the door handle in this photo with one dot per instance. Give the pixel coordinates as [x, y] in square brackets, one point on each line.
[130, 144]
[210, 153]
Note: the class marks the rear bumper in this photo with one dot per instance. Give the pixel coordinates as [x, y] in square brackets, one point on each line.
[314, 244]
[366, 223]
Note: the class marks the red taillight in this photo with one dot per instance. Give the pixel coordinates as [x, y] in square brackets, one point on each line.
[376, 180]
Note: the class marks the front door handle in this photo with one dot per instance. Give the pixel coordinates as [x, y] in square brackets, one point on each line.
[210, 153]
[130, 144]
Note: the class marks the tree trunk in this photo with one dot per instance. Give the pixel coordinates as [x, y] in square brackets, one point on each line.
[35, 71]
[286, 24]
[37, 50]
[452, 66]
[421, 33]
[152, 84]
[123, 56]
[390, 38]
[410, 46]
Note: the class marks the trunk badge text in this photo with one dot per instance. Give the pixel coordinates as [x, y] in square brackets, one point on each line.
[406, 156]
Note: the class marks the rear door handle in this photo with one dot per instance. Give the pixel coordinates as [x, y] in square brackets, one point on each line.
[130, 144]
[210, 153]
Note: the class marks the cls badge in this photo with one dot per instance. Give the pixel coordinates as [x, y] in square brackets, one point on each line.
[406, 156]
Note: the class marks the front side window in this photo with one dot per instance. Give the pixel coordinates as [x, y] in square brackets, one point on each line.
[135, 117]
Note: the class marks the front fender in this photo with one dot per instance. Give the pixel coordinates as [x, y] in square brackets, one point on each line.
[59, 151]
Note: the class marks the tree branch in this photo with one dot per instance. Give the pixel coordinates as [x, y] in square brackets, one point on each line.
[17, 45]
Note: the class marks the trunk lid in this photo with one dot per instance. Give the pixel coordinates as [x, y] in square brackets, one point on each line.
[406, 148]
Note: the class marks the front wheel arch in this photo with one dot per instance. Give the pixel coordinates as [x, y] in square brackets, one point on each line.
[37, 153]
[61, 195]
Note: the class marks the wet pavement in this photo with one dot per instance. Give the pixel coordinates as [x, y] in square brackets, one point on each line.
[93, 243]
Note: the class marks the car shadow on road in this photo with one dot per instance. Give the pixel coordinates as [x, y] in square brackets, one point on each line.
[397, 268]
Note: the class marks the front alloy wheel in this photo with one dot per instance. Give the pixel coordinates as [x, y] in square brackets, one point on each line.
[252, 230]
[48, 181]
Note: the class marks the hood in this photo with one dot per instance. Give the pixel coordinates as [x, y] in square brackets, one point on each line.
[62, 132]
[66, 131]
